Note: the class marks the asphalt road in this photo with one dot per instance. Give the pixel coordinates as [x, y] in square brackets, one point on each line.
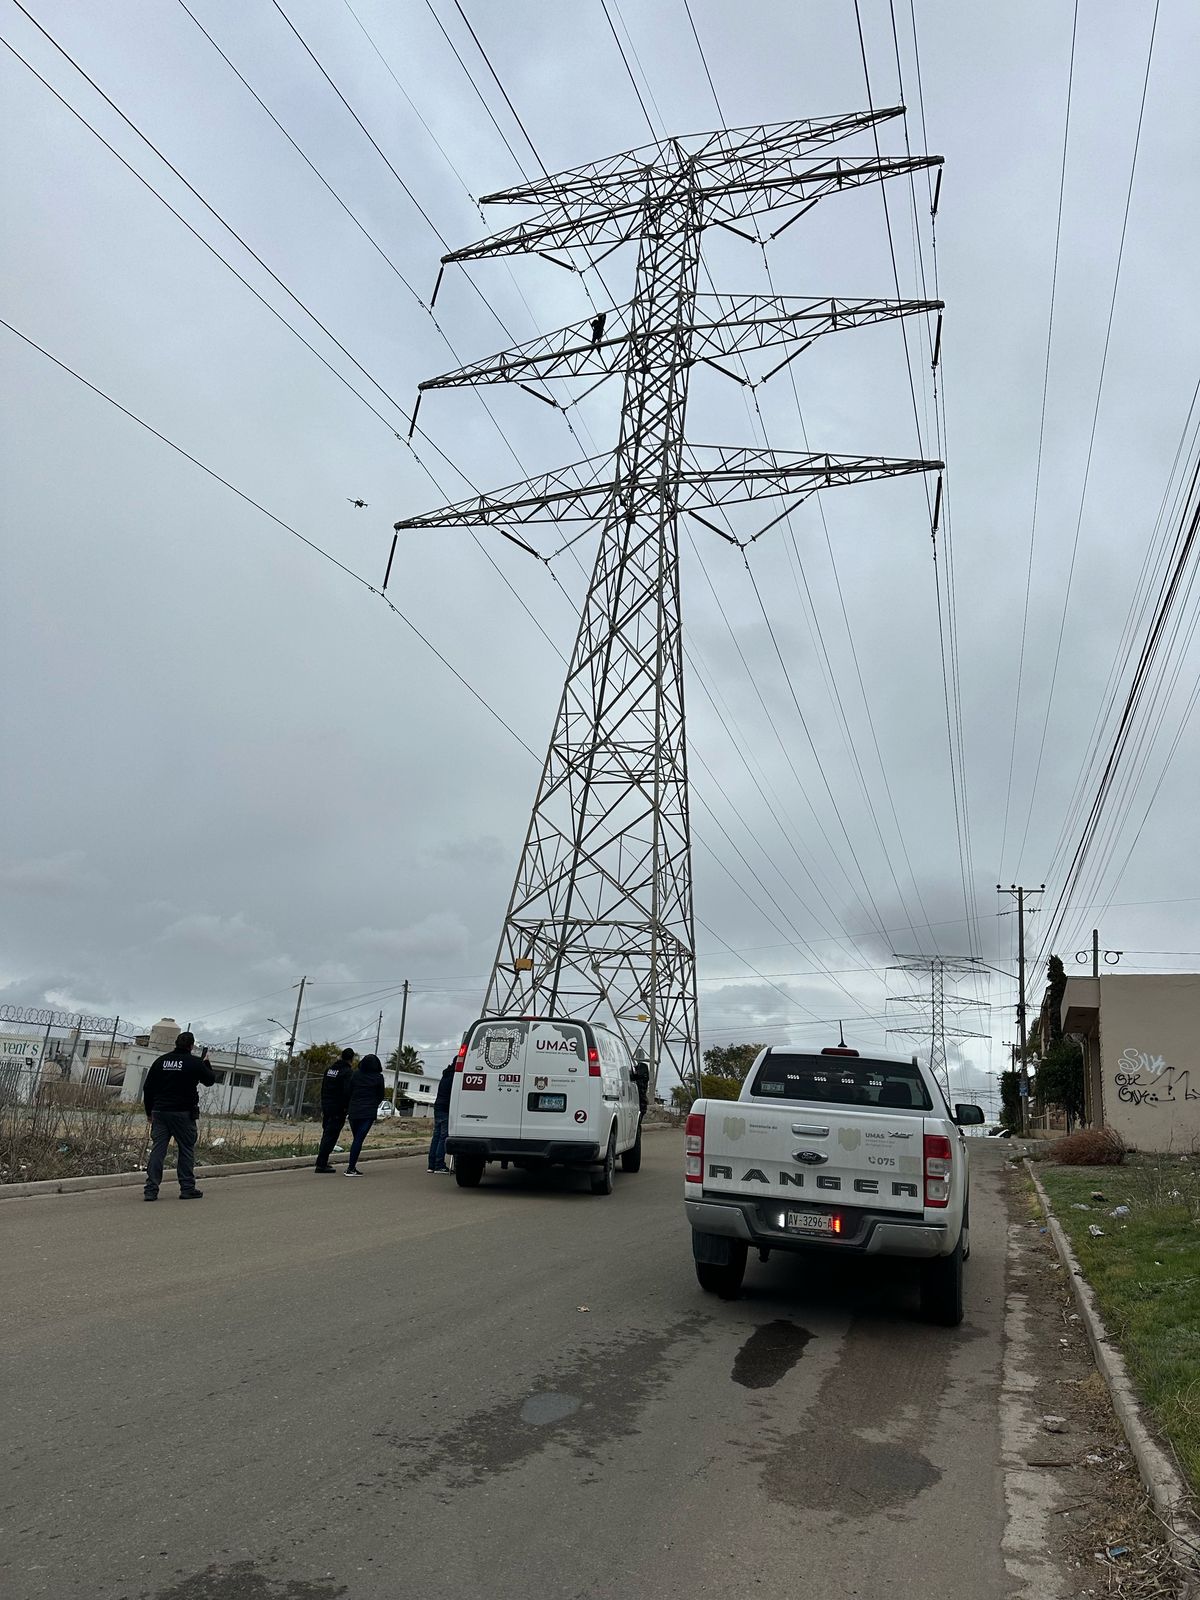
[296, 1390]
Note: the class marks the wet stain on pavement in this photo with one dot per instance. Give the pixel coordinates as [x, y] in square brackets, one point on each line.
[541, 1409]
[852, 1472]
[769, 1354]
[593, 1398]
[243, 1580]
[856, 1480]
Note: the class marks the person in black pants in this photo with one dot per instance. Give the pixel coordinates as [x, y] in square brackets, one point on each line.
[641, 1076]
[366, 1091]
[171, 1097]
[441, 1120]
[335, 1097]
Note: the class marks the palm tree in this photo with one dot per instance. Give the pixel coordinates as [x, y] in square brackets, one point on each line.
[407, 1060]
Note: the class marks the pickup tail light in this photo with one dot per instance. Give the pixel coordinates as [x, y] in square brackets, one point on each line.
[460, 1059]
[693, 1145]
[939, 1158]
[593, 1062]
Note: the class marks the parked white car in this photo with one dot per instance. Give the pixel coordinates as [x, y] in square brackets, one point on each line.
[833, 1152]
[536, 1092]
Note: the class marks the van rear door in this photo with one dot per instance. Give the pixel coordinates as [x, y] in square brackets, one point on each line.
[488, 1102]
[556, 1088]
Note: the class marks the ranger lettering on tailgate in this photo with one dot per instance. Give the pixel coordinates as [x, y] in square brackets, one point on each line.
[795, 1180]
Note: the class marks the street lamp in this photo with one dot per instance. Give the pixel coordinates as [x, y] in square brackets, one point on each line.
[275, 1074]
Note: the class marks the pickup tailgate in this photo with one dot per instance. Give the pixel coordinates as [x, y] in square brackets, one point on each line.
[823, 1155]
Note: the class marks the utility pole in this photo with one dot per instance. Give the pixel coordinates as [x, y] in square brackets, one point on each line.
[936, 967]
[1111, 957]
[400, 1045]
[378, 1031]
[287, 1075]
[600, 917]
[237, 1051]
[1019, 892]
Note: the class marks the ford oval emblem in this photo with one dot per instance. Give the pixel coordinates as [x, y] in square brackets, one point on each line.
[810, 1158]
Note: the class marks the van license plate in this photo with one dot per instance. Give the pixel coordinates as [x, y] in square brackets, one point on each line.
[547, 1102]
[810, 1222]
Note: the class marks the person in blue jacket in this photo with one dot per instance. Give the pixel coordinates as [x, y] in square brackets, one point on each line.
[441, 1121]
[366, 1092]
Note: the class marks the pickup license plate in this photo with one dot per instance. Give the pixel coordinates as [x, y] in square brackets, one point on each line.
[547, 1102]
[809, 1222]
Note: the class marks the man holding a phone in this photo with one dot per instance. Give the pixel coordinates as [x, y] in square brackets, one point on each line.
[172, 1101]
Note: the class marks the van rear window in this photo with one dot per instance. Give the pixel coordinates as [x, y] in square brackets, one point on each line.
[842, 1081]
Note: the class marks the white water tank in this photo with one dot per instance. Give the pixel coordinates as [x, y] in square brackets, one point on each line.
[163, 1035]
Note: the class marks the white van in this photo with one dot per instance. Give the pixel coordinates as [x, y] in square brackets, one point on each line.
[537, 1092]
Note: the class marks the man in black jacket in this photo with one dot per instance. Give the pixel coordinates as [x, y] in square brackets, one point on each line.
[171, 1097]
[641, 1076]
[335, 1097]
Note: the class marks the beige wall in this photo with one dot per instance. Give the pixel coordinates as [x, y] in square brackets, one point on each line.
[1150, 1059]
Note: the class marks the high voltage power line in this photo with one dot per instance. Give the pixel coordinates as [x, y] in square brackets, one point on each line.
[1139, 741]
[311, 165]
[316, 171]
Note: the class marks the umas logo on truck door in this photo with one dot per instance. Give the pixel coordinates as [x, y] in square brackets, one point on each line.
[498, 1049]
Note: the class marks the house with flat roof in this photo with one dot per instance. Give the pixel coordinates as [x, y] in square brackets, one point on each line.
[1140, 1034]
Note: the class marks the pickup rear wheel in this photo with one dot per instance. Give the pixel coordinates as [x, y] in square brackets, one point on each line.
[942, 1288]
[724, 1280]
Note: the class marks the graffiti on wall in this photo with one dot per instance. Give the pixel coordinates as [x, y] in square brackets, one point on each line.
[1143, 1079]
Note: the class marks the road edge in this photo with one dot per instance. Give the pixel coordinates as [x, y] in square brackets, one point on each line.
[1163, 1482]
[227, 1169]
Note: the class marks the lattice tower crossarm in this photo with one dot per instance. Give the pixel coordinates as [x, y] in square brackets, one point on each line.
[934, 969]
[600, 921]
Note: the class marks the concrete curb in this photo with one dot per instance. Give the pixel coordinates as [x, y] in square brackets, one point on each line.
[228, 1169]
[1164, 1484]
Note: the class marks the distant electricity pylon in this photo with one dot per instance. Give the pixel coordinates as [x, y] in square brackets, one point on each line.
[600, 918]
[932, 970]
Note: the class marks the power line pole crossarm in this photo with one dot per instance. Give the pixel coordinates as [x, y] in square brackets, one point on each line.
[600, 920]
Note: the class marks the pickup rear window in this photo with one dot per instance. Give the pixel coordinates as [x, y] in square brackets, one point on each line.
[842, 1081]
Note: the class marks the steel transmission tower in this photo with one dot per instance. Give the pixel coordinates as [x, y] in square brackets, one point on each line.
[933, 970]
[600, 919]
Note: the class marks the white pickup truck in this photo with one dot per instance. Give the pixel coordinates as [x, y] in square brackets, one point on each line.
[834, 1152]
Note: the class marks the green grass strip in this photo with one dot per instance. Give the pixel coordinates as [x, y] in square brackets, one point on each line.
[1145, 1270]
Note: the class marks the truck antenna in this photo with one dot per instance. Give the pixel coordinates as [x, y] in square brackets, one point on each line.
[841, 1037]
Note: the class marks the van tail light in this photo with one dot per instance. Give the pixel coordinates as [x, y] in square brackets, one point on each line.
[460, 1059]
[593, 1062]
[693, 1145]
[938, 1160]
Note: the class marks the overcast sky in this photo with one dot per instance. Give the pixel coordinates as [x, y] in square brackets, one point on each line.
[227, 764]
